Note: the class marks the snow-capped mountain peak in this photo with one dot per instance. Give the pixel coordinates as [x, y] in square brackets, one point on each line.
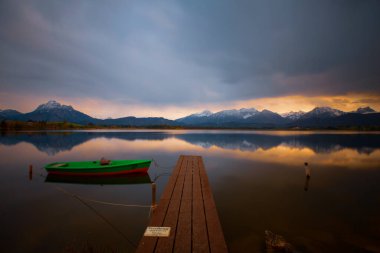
[242, 113]
[232, 112]
[52, 105]
[246, 113]
[248, 110]
[293, 115]
[326, 110]
[322, 112]
[205, 113]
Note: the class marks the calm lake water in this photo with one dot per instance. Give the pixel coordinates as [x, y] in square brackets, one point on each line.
[257, 178]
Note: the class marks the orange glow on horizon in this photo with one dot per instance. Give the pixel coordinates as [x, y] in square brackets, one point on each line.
[346, 103]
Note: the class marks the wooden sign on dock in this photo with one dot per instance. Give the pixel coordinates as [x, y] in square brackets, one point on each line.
[157, 231]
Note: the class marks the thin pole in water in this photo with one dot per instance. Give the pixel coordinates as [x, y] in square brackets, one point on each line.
[30, 172]
[153, 195]
[307, 170]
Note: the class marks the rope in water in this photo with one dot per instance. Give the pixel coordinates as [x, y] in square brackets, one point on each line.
[83, 201]
[97, 201]
[97, 213]
[160, 166]
[165, 170]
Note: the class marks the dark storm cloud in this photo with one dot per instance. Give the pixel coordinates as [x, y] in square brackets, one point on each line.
[190, 51]
[259, 41]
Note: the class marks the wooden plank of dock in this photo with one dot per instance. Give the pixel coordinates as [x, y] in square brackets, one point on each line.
[188, 208]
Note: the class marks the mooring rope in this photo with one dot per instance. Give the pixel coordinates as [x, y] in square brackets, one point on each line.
[102, 202]
[97, 201]
[115, 204]
[83, 201]
[97, 213]
[160, 166]
[160, 175]
[93, 200]
[165, 170]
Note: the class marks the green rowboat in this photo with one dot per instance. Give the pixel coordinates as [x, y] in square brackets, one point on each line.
[98, 168]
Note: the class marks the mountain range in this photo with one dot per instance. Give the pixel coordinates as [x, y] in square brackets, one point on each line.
[319, 117]
[53, 111]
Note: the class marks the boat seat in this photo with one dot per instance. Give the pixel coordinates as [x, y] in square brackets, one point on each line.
[59, 165]
[104, 161]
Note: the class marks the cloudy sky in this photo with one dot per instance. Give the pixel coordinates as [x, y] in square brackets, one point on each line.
[172, 58]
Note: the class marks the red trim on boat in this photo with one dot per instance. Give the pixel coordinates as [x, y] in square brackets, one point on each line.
[123, 172]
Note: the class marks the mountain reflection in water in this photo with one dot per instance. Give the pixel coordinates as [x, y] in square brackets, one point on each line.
[52, 143]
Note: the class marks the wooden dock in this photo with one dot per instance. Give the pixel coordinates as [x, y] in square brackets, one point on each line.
[188, 208]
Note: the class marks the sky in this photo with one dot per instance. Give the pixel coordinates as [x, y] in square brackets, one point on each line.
[173, 58]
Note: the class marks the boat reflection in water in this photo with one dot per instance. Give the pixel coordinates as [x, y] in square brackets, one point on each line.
[137, 178]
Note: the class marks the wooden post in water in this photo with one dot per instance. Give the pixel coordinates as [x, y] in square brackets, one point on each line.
[30, 172]
[307, 170]
[153, 195]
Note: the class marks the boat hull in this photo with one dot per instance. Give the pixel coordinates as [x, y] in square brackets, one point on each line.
[94, 168]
